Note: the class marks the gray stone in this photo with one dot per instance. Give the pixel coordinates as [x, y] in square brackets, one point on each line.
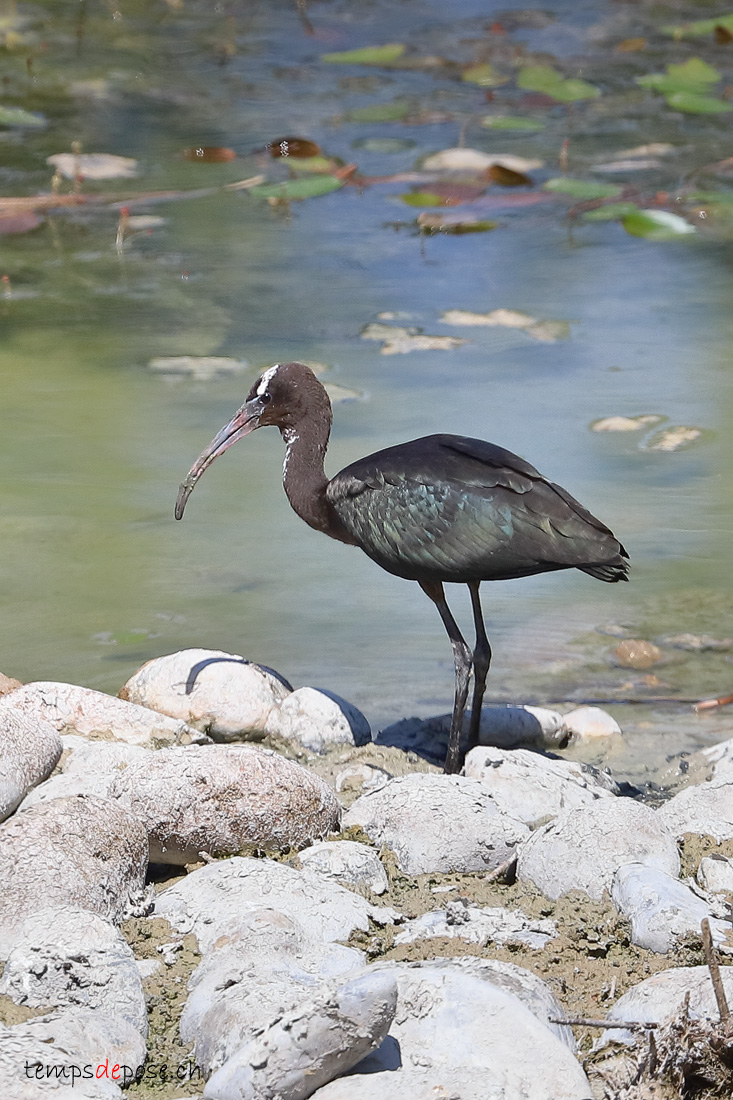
[70, 957]
[715, 874]
[30, 748]
[705, 809]
[83, 851]
[584, 848]
[531, 787]
[481, 926]
[309, 1046]
[22, 1045]
[210, 900]
[92, 713]
[89, 1036]
[438, 823]
[661, 908]
[347, 862]
[455, 1034]
[220, 799]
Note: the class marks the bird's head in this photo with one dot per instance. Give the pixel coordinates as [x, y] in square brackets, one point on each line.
[281, 397]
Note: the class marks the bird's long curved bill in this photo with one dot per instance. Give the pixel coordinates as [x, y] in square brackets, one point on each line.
[242, 423]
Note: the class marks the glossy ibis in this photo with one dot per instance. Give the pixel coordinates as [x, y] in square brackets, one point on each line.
[441, 508]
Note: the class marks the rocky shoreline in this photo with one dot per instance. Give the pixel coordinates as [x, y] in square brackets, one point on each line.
[217, 885]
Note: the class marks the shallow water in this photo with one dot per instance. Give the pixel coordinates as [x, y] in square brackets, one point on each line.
[97, 576]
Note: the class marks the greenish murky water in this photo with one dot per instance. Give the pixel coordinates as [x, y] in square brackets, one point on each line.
[97, 576]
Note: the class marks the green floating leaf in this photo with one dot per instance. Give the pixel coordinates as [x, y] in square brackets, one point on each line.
[611, 212]
[295, 190]
[16, 116]
[656, 225]
[380, 112]
[485, 75]
[698, 28]
[422, 198]
[695, 104]
[459, 228]
[570, 91]
[369, 55]
[543, 78]
[539, 78]
[582, 189]
[694, 72]
[511, 122]
[321, 164]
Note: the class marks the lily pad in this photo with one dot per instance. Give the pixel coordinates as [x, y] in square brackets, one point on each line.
[384, 145]
[295, 190]
[16, 116]
[380, 112]
[581, 189]
[695, 104]
[458, 224]
[570, 91]
[656, 225]
[612, 211]
[484, 75]
[399, 341]
[423, 198]
[543, 78]
[700, 27]
[511, 122]
[369, 55]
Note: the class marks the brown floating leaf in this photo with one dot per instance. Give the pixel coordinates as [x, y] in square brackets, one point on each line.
[209, 154]
[631, 45]
[507, 177]
[292, 147]
[722, 35]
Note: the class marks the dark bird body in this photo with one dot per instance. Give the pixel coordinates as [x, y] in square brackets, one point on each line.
[438, 509]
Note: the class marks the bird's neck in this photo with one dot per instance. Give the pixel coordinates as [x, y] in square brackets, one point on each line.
[304, 478]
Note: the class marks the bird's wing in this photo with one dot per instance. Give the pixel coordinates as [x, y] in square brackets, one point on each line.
[459, 508]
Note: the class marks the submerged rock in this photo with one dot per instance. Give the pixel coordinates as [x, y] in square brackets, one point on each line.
[220, 799]
[438, 823]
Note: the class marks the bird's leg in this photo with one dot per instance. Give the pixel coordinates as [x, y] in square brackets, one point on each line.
[481, 663]
[462, 662]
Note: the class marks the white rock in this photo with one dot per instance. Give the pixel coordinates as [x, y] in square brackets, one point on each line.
[582, 849]
[24, 1045]
[438, 823]
[659, 999]
[94, 714]
[362, 778]
[88, 1036]
[83, 851]
[220, 799]
[661, 908]
[531, 787]
[69, 956]
[312, 1044]
[481, 926]
[512, 726]
[221, 694]
[455, 1034]
[257, 970]
[87, 767]
[532, 991]
[474, 160]
[705, 809]
[590, 723]
[209, 899]
[715, 874]
[346, 862]
[317, 720]
[30, 748]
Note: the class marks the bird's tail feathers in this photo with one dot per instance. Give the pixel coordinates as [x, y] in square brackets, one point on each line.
[611, 571]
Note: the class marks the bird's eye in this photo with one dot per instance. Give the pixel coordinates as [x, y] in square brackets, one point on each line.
[265, 398]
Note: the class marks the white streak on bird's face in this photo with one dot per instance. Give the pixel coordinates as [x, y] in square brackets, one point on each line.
[266, 379]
